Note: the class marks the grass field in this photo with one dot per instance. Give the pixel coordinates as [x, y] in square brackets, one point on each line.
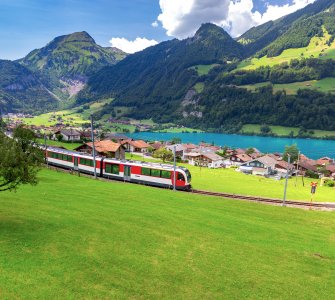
[324, 85]
[317, 48]
[203, 69]
[69, 146]
[124, 241]
[173, 129]
[233, 182]
[285, 131]
[68, 116]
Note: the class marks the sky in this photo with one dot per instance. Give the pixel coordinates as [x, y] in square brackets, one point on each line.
[130, 25]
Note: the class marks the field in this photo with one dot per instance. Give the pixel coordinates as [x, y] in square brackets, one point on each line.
[285, 131]
[69, 146]
[73, 117]
[203, 69]
[233, 182]
[120, 241]
[317, 48]
[324, 85]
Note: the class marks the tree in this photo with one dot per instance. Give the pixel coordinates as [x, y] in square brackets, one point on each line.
[59, 137]
[164, 154]
[293, 151]
[265, 129]
[20, 159]
[250, 151]
[175, 140]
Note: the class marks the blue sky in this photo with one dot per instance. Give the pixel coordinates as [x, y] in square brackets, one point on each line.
[29, 24]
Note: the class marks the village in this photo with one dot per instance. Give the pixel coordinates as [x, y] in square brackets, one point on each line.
[250, 161]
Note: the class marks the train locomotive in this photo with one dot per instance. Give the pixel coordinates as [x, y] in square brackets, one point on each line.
[154, 174]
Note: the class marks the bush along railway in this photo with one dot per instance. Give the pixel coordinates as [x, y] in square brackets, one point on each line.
[153, 174]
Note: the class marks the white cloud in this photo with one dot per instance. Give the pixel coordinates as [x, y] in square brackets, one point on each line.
[155, 24]
[132, 46]
[181, 19]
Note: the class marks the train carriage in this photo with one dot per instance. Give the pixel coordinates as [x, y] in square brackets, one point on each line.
[155, 174]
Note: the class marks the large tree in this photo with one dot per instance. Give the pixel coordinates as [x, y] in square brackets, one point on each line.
[20, 159]
[291, 151]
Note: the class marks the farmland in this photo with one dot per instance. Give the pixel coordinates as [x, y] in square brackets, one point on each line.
[121, 240]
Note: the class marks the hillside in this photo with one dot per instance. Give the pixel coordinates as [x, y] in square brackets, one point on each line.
[160, 76]
[131, 241]
[66, 62]
[21, 89]
[194, 82]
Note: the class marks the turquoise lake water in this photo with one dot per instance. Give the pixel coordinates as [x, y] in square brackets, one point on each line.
[310, 147]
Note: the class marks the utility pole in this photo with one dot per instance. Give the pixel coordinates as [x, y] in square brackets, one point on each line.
[296, 175]
[46, 149]
[174, 168]
[93, 148]
[286, 180]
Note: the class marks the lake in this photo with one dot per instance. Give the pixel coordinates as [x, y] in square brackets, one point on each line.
[310, 147]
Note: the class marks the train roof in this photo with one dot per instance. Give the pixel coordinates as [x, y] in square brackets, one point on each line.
[70, 152]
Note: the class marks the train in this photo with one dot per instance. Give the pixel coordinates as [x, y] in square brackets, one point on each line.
[147, 173]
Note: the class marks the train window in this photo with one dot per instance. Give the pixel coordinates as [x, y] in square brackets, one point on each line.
[86, 162]
[112, 169]
[155, 173]
[145, 171]
[165, 174]
[181, 177]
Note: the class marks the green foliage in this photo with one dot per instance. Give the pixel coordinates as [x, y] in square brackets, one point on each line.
[265, 129]
[330, 183]
[163, 154]
[312, 174]
[291, 151]
[20, 160]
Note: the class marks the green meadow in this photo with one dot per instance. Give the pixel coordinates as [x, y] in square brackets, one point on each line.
[326, 85]
[73, 237]
[285, 131]
[317, 48]
[233, 182]
[203, 69]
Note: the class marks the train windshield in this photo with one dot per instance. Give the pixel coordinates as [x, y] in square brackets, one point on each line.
[188, 175]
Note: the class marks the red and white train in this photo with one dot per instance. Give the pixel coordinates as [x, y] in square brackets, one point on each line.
[155, 174]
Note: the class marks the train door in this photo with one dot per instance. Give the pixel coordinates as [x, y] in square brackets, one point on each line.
[76, 163]
[127, 173]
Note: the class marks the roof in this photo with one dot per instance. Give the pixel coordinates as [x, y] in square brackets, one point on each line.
[306, 165]
[267, 160]
[105, 146]
[324, 161]
[243, 157]
[212, 156]
[136, 144]
[70, 132]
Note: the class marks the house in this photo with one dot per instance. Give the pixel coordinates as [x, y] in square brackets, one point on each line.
[324, 161]
[68, 135]
[207, 159]
[179, 149]
[136, 146]
[104, 148]
[305, 166]
[266, 165]
[238, 159]
[331, 169]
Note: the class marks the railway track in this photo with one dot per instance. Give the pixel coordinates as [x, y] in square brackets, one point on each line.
[302, 204]
[268, 200]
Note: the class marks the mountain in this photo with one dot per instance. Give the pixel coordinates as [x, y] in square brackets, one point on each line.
[21, 89]
[160, 76]
[211, 81]
[65, 63]
[291, 31]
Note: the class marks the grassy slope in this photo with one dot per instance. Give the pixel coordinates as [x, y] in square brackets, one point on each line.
[69, 146]
[131, 241]
[203, 69]
[231, 181]
[284, 131]
[324, 85]
[317, 46]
